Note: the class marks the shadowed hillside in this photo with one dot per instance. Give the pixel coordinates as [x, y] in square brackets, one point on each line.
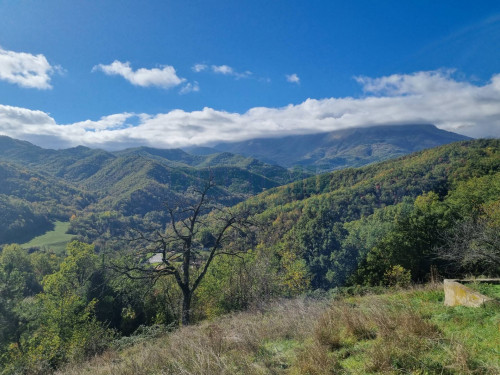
[343, 148]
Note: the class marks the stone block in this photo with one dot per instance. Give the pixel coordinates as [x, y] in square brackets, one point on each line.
[456, 294]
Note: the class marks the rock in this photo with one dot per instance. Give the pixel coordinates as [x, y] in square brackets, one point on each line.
[456, 294]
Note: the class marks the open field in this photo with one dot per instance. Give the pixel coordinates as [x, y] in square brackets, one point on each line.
[56, 239]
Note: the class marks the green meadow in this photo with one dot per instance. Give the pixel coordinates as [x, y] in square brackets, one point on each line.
[56, 239]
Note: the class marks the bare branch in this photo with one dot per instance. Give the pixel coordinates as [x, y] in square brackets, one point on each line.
[180, 246]
[471, 244]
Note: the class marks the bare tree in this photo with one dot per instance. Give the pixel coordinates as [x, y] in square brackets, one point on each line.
[196, 234]
[473, 245]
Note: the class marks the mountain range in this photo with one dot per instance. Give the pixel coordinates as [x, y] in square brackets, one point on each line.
[39, 186]
[339, 149]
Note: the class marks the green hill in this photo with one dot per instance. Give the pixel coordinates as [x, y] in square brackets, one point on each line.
[336, 221]
[54, 184]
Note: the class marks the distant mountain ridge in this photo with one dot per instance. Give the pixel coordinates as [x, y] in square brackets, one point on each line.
[39, 186]
[80, 163]
[342, 148]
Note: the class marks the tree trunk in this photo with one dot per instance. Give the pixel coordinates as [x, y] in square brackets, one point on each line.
[186, 307]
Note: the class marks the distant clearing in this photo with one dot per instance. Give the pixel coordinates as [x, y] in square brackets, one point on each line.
[56, 239]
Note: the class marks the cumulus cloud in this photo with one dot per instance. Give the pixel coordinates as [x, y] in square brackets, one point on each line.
[293, 78]
[26, 70]
[164, 77]
[423, 97]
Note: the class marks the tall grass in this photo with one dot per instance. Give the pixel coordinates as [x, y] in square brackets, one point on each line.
[401, 333]
[408, 332]
[250, 342]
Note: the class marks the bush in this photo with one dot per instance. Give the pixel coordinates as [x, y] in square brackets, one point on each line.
[397, 276]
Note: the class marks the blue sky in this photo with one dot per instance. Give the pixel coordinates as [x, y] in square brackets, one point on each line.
[114, 74]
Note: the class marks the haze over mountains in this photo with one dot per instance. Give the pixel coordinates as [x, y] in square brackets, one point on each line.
[343, 148]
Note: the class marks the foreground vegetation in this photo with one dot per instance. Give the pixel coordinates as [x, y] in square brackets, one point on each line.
[419, 218]
[391, 333]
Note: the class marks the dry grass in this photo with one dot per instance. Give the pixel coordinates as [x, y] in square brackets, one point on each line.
[234, 344]
[377, 334]
[315, 360]
[389, 334]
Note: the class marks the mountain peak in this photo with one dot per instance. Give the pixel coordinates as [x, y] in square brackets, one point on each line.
[343, 148]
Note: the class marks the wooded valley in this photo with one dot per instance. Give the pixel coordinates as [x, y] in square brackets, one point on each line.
[260, 233]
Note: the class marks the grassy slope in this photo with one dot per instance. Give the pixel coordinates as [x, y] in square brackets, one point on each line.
[396, 332]
[56, 239]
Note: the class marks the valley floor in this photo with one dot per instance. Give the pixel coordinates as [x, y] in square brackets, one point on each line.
[398, 332]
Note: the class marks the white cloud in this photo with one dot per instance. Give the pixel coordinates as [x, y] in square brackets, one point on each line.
[221, 69]
[409, 84]
[229, 71]
[199, 67]
[190, 87]
[424, 97]
[26, 70]
[165, 77]
[293, 78]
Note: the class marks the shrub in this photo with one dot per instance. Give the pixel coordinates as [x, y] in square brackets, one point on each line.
[397, 276]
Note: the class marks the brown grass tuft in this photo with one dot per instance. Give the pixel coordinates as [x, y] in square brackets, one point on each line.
[315, 361]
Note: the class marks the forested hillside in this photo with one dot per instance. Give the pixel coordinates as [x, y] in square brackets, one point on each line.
[133, 185]
[354, 225]
[31, 201]
[41, 186]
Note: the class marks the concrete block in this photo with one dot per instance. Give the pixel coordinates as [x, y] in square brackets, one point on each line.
[456, 294]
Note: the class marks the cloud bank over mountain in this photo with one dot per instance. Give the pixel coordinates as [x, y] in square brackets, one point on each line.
[436, 97]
